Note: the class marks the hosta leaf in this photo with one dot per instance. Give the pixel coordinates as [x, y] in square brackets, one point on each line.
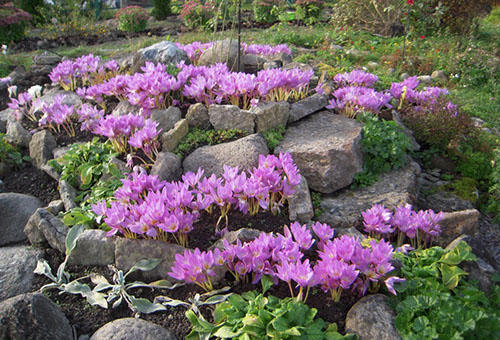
[145, 306]
[144, 265]
[86, 174]
[73, 218]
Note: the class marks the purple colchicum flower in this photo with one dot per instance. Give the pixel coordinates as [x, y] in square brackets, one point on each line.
[351, 100]
[376, 221]
[355, 78]
[57, 114]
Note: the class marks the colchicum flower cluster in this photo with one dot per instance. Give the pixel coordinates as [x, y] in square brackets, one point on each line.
[148, 207]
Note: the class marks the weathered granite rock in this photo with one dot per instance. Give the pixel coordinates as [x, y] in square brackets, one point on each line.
[223, 117]
[93, 248]
[326, 148]
[393, 188]
[166, 118]
[70, 98]
[43, 227]
[132, 329]
[47, 58]
[271, 115]
[164, 52]
[446, 201]
[68, 195]
[439, 75]
[425, 79]
[18, 135]
[55, 207]
[124, 108]
[41, 146]
[222, 51]
[5, 116]
[16, 210]
[51, 172]
[243, 235]
[60, 151]
[300, 207]
[243, 153]
[197, 116]
[172, 138]
[129, 251]
[307, 106]
[457, 223]
[33, 316]
[16, 270]
[371, 318]
[167, 167]
[486, 265]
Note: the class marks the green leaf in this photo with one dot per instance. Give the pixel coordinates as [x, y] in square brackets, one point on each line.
[75, 287]
[76, 217]
[451, 275]
[144, 265]
[462, 252]
[72, 236]
[267, 282]
[96, 299]
[43, 268]
[86, 174]
[165, 300]
[226, 332]
[216, 299]
[199, 323]
[145, 306]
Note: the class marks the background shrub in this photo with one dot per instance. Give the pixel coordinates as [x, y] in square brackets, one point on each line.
[12, 23]
[33, 8]
[161, 9]
[459, 14]
[132, 19]
[197, 14]
[265, 11]
[308, 11]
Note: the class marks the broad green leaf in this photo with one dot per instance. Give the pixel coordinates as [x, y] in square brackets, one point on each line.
[462, 252]
[145, 306]
[72, 236]
[420, 324]
[86, 174]
[199, 323]
[98, 279]
[280, 323]
[226, 332]
[216, 299]
[165, 300]
[73, 218]
[43, 268]
[75, 287]
[96, 299]
[165, 284]
[266, 282]
[144, 265]
[451, 275]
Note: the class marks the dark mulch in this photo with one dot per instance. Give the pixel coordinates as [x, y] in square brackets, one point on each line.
[29, 180]
[62, 138]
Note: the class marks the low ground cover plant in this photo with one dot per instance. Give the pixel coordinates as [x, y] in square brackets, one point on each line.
[9, 154]
[197, 137]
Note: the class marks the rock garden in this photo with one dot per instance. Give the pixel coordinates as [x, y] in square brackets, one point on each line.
[287, 187]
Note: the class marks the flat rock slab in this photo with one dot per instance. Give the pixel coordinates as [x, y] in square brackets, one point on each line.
[243, 153]
[326, 148]
[371, 318]
[93, 248]
[132, 329]
[33, 316]
[128, 252]
[454, 224]
[307, 106]
[15, 209]
[16, 270]
[43, 228]
[393, 188]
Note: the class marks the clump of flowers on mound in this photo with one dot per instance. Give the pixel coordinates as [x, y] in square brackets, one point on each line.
[148, 207]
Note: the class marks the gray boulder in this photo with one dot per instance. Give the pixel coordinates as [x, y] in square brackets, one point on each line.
[300, 207]
[70, 98]
[243, 153]
[43, 228]
[16, 210]
[223, 51]
[197, 116]
[307, 106]
[167, 118]
[124, 108]
[68, 195]
[93, 248]
[167, 167]
[41, 146]
[130, 251]
[393, 188]
[132, 329]
[243, 235]
[164, 52]
[271, 115]
[33, 316]
[17, 135]
[371, 318]
[172, 137]
[326, 148]
[457, 223]
[16, 270]
[224, 117]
